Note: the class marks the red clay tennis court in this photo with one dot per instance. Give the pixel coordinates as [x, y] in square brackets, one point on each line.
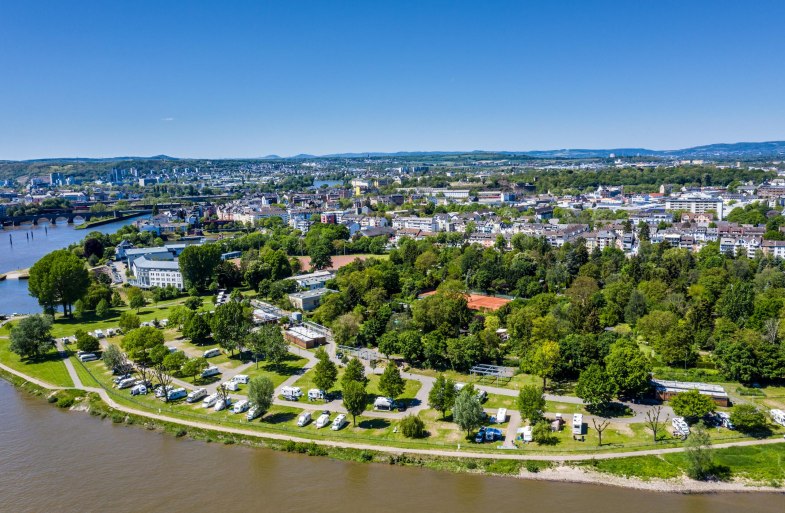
[478, 301]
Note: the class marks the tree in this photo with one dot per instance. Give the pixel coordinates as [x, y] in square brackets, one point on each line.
[115, 360]
[543, 360]
[692, 405]
[102, 309]
[79, 309]
[699, 453]
[163, 377]
[391, 384]
[325, 372]
[32, 336]
[542, 434]
[223, 393]
[135, 298]
[531, 403]
[354, 399]
[231, 325]
[628, 368]
[58, 278]
[346, 327]
[174, 361]
[653, 422]
[193, 302]
[140, 343]
[388, 343]
[129, 321]
[117, 301]
[442, 395]
[275, 347]
[412, 426]
[320, 254]
[86, 342]
[600, 427]
[595, 387]
[468, 412]
[748, 419]
[354, 372]
[194, 367]
[260, 393]
[197, 329]
[198, 264]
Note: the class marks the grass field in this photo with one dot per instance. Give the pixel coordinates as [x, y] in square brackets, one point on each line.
[278, 373]
[49, 367]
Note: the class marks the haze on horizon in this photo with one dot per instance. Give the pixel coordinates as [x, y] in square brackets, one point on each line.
[199, 79]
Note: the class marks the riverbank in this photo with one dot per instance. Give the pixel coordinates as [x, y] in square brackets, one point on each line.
[97, 403]
[109, 219]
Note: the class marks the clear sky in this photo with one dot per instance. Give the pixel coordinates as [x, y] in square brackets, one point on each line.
[247, 79]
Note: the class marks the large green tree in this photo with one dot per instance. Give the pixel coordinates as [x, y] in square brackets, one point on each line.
[442, 396]
[141, 343]
[198, 264]
[325, 372]
[531, 403]
[58, 278]
[32, 336]
[628, 368]
[391, 384]
[595, 387]
[467, 412]
[231, 325]
[354, 399]
[261, 392]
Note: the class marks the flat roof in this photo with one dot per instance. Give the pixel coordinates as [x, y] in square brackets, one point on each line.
[304, 333]
[685, 386]
[169, 265]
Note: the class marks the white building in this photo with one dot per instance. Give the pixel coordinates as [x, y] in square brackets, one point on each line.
[697, 204]
[157, 273]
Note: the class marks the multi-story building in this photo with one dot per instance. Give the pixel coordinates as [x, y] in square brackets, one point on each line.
[697, 204]
[157, 273]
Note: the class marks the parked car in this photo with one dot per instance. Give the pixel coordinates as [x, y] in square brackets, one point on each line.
[339, 422]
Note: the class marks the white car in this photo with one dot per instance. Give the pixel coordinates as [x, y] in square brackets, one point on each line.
[339, 422]
[323, 420]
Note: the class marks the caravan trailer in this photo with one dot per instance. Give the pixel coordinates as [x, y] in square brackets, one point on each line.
[195, 395]
[212, 352]
[232, 386]
[241, 406]
[577, 424]
[291, 393]
[253, 413]
[304, 419]
[209, 401]
[680, 427]
[210, 371]
[222, 404]
[323, 420]
[383, 403]
[315, 394]
[87, 357]
[241, 379]
[177, 393]
[501, 416]
[778, 416]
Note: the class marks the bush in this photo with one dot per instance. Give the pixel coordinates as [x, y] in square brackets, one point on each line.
[692, 405]
[532, 466]
[412, 427]
[65, 402]
[542, 434]
[748, 419]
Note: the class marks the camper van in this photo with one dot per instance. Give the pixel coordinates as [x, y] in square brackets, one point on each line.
[209, 401]
[210, 371]
[241, 379]
[323, 420]
[291, 393]
[222, 404]
[339, 422]
[501, 416]
[177, 393]
[577, 424]
[482, 395]
[383, 403]
[195, 395]
[304, 419]
[315, 394]
[778, 416]
[99, 334]
[210, 353]
[126, 382]
[87, 357]
[232, 386]
[241, 406]
[526, 433]
[253, 413]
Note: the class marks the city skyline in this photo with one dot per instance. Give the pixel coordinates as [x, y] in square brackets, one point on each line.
[198, 80]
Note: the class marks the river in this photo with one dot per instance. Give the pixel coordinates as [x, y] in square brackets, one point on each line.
[21, 247]
[56, 460]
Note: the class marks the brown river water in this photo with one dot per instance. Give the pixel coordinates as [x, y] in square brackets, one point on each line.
[59, 461]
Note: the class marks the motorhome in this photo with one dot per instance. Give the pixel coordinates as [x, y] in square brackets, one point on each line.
[339, 422]
[482, 395]
[210, 353]
[196, 395]
[232, 386]
[323, 420]
[304, 419]
[501, 416]
[241, 406]
[577, 424]
[210, 371]
[209, 401]
[222, 404]
[778, 416]
[316, 394]
[242, 379]
[87, 357]
[253, 413]
[291, 393]
[126, 383]
[383, 403]
[177, 393]
[527, 433]
[99, 334]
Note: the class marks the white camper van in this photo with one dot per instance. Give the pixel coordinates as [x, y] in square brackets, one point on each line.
[339, 422]
[209, 401]
[241, 379]
[778, 416]
[383, 403]
[210, 371]
[291, 393]
[316, 394]
[577, 424]
[195, 395]
[323, 420]
[501, 416]
[210, 353]
[253, 413]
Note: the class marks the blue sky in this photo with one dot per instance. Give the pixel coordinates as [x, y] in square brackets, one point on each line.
[246, 79]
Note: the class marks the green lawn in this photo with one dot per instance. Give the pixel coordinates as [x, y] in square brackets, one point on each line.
[49, 368]
[85, 377]
[278, 373]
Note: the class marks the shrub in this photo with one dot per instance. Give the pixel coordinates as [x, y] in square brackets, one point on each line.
[412, 427]
[748, 419]
[542, 434]
[532, 466]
